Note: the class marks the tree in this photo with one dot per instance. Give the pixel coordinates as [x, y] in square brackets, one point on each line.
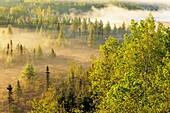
[100, 28]
[19, 91]
[74, 25]
[138, 79]
[9, 30]
[39, 52]
[61, 41]
[107, 29]
[84, 25]
[52, 53]
[96, 27]
[47, 104]
[10, 98]
[91, 38]
[101, 71]
[47, 78]
[28, 74]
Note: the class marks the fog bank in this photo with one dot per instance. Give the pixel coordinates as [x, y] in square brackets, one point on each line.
[117, 15]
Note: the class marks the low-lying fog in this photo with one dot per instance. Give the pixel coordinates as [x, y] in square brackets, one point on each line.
[116, 15]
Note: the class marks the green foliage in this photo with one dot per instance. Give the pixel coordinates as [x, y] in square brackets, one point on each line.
[18, 90]
[102, 70]
[61, 41]
[39, 52]
[138, 82]
[9, 30]
[70, 95]
[45, 105]
[107, 29]
[84, 25]
[136, 6]
[28, 74]
[100, 28]
[74, 25]
[91, 38]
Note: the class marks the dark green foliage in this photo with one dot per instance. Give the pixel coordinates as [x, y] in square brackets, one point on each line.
[136, 6]
[47, 78]
[71, 94]
[100, 28]
[107, 29]
[18, 90]
[12, 106]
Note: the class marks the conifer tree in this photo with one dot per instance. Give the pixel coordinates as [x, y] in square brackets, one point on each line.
[9, 30]
[84, 26]
[61, 39]
[91, 38]
[70, 103]
[28, 74]
[10, 97]
[21, 50]
[107, 29]
[100, 28]
[11, 44]
[18, 91]
[52, 53]
[115, 29]
[47, 78]
[39, 52]
[7, 52]
[74, 25]
[96, 27]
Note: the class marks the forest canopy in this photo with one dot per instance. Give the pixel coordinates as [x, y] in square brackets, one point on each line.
[133, 76]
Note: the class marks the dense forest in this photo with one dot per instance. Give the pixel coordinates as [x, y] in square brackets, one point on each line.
[129, 73]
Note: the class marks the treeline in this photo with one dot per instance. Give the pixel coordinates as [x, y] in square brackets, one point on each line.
[49, 16]
[136, 6]
[132, 76]
[12, 12]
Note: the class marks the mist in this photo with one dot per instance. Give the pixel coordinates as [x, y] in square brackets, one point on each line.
[116, 15]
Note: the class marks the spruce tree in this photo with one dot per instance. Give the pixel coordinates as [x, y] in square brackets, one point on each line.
[52, 53]
[21, 50]
[9, 30]
[18, 91]
[100, 28]
[7, 52]
[107, 29]
[91, 38]
[84, 26]
[28, 74]
[39, 52]
[10, 97]
[61, 39]
[47, 78]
